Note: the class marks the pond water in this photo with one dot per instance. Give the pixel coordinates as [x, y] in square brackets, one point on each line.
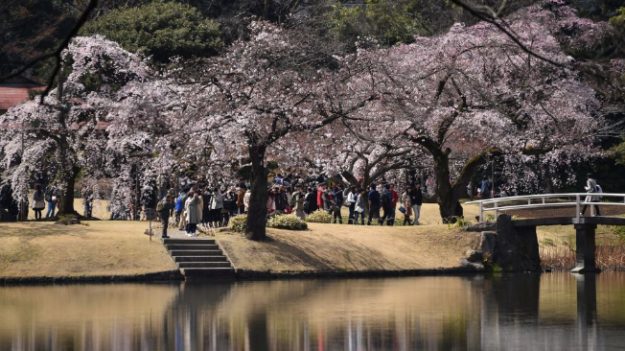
[548, 312]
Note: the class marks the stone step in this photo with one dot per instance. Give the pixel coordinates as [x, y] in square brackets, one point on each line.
[189, 241]
[203, 264]
[195, 273]
[195, 253]
[200, 259]
[192, 246]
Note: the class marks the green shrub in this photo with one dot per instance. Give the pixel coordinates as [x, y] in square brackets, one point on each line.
[238, 223]
[319, 216]
[291, 222]
[160, 29]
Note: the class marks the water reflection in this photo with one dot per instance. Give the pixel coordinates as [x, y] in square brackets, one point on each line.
[554, 311]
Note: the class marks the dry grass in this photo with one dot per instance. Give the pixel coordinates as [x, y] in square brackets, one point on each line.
[337, 248]
[100, 209]
[94, 248]
[557, 248]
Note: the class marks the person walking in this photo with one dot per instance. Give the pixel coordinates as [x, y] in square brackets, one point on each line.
[38, 202]
[592, 188]
[416, 200]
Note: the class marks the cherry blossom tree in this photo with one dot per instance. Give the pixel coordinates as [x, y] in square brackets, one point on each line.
[254, 96]
[474, 92]
[107, 103]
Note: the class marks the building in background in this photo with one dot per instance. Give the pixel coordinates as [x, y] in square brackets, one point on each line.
[15, 91]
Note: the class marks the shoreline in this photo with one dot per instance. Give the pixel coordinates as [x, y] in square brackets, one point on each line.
[239, 275]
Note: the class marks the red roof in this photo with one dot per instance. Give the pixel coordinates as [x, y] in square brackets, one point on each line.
[15, 92]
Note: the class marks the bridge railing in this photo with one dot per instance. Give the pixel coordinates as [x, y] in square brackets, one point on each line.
[525, 202]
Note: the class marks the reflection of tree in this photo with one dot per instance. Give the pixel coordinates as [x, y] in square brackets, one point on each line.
[435, 313]
[191, 322]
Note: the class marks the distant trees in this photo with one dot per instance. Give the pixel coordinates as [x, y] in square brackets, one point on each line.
[159, 29]
[387, 22]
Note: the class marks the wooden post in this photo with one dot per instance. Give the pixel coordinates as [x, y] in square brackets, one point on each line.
[585, 248]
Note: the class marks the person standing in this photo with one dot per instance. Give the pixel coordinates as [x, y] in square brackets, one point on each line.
[416, 199]
[240, 199]
[179, 207]
[38, 202]
[485, 188]
[52, 201]
[281, 200]
[88, 198]
[374, 204]
[310, 204]
[350, 201]
[407, 205]
[394, 201]
[297, 202]
[230, 205]
[246, 200]
[165, 208]
[216, 208]
[194, 212]
[320, 191]
[387, 206]
[360, 206]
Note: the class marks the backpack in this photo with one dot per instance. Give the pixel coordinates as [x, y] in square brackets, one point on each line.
[160, 206]
[598, 190]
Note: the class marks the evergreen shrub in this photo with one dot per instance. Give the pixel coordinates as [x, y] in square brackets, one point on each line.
[290, 221]
[238, 223]
[319, 216]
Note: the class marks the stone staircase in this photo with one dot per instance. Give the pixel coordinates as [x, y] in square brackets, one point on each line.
[199, 259]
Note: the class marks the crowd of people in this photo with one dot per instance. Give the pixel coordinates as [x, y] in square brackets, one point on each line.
[209, 208]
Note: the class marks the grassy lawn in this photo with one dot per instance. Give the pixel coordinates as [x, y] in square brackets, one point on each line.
[336, 247]
[93, 248]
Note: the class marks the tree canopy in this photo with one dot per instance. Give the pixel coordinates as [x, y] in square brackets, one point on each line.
[160, 29]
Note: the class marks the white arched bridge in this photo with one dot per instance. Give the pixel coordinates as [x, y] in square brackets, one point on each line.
[582, 210]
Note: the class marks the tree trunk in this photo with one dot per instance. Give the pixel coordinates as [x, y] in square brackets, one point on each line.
[257, 213]
[66, 205]
[448, 204]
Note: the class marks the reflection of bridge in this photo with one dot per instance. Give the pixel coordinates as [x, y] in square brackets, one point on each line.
[556, 209]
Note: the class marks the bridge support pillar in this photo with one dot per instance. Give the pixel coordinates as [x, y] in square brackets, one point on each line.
[516, 247]
[585, 248]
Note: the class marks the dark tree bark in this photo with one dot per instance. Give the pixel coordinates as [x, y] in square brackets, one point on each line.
[257, 213]
[67, 200]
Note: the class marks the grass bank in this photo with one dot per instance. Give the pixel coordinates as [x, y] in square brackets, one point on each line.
[118, 250]
[335, 248]
[93, 250]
